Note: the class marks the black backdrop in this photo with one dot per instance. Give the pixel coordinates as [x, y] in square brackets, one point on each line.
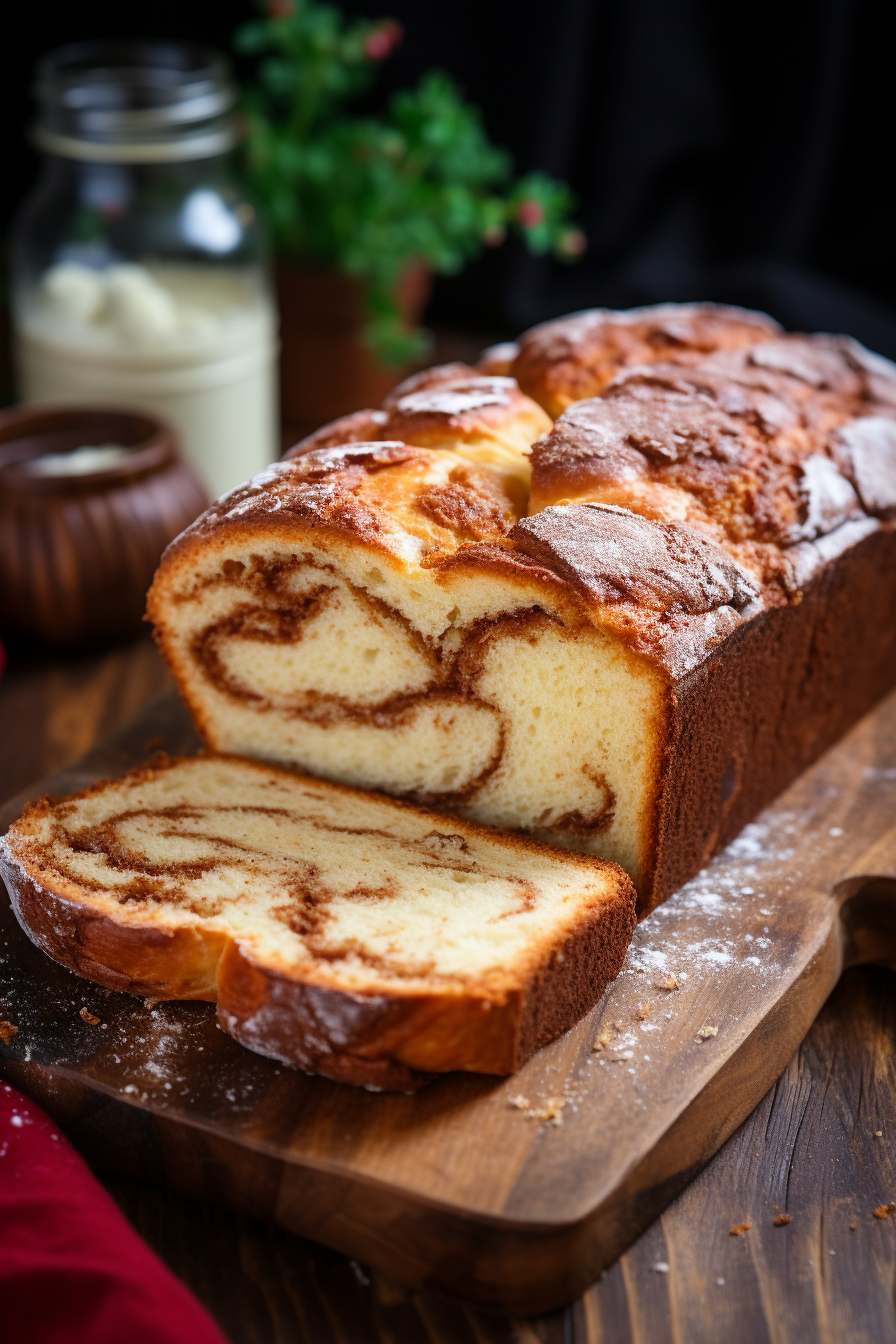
[736, 152]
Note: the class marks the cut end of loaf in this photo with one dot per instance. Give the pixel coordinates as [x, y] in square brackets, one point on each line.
[467, 686]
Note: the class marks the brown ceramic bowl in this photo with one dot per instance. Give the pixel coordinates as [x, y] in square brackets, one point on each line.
[78, 549]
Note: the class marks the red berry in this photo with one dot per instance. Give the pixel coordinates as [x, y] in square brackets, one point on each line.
[531, 213]
[381, 41]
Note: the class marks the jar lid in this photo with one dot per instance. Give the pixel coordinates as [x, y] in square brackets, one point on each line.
[134, 102]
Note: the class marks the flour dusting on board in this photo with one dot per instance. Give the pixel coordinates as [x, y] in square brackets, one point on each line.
[696, 969]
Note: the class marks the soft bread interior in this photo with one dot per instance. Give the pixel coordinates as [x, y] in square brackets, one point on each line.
[315, 883]
[455, 688]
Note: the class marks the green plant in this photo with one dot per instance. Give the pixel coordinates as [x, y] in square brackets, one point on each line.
[366, 195]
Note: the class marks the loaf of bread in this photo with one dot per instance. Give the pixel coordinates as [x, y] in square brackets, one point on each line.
[344, 933]
[623, 633]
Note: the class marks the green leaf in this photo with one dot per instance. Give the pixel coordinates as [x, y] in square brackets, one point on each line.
[369, 194]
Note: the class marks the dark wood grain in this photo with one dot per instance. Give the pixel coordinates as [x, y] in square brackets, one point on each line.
[54, 707]
[809, 1148]
[304, 1292]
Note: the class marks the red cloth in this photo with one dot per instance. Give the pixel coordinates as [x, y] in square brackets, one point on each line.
[72, 1269]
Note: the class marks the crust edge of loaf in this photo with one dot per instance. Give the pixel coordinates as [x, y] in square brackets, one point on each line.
[770, 700]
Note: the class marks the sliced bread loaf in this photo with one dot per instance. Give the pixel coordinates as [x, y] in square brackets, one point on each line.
[341, 932]
[694, 600]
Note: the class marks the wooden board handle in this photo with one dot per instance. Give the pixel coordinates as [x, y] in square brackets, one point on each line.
[868, 909]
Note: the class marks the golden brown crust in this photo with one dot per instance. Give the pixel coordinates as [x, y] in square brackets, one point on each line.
[759, 449]
[394, 1043]
[294, 1022]
[576, 357]
[445, 407]
[464, 410]
[146, 960]
[390, 1041]
[564, 988]
[359, 427]
[498, 358]
[462, 518]
[373, 493]
[428, 378]
[615, 557]
[667, 593]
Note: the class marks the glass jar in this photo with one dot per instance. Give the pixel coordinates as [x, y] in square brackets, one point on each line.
[137, 265]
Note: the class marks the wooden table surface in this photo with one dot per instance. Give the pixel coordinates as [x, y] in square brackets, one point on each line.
[820, 1145]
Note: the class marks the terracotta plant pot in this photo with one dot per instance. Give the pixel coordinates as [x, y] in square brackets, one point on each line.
[78, 552]
[326, 370]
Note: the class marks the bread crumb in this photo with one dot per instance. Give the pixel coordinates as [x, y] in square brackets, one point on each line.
[643, 1010]
[884, 1210]
[705, 1032]
[853, 1225]
[551, 1110]
[89, 1017]
[781, 1220]
[878, 1133]
[7, 1031]
[602, 1040]
[668, 982]
[739, 1229]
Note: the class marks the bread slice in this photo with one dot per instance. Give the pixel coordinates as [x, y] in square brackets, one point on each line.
[340, 932]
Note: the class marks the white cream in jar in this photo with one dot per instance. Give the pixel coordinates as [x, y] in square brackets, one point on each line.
[195, 344]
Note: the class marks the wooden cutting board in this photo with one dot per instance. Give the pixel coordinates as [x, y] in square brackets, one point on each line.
[511, 1193]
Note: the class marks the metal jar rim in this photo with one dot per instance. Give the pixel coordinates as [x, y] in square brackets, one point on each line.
[134, 102]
